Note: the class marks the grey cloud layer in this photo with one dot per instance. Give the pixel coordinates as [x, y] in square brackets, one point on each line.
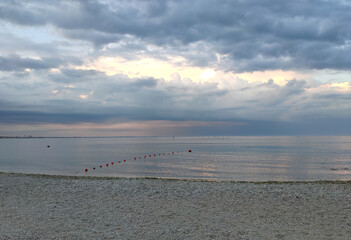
[250, 35]
[119, 97]
[298, 107]
[16, 63]
[40, 82]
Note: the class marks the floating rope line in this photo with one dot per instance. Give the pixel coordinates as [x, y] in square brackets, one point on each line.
[145, 157]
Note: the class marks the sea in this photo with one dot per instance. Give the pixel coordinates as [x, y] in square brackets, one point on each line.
[249, 158]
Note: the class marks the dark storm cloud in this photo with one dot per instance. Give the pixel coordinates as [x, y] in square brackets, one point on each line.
[16, 63]
[251, 35]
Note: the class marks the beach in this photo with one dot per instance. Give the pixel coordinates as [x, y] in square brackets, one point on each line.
[57, 207]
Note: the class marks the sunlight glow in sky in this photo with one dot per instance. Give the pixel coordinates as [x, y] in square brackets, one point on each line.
[203, 67]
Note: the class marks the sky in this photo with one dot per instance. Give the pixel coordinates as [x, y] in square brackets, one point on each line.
[175, 67]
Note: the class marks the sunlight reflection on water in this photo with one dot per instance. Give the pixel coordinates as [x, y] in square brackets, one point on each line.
[227, 158]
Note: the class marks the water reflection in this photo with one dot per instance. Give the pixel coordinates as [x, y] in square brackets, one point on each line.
[231, 158]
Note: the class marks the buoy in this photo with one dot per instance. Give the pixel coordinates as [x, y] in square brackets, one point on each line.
[135, 158]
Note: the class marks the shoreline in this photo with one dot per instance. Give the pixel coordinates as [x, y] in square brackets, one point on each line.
[61, 207]
[173, 179]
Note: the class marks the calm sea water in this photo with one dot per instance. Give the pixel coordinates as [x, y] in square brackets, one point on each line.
[222, 158]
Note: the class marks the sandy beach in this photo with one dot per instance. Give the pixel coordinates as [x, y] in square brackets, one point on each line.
[54, 207]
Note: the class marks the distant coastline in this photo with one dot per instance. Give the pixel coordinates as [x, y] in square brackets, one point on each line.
[26, 137]
[35, 137]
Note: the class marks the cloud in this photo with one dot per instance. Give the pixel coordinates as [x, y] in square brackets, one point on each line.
[105, 62]
[149, 83]
[260, 108]
[16, 63]
[250, 35]
[88, 92]
[68, 75]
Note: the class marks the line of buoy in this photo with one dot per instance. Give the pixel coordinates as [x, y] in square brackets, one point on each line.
[145, 156]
